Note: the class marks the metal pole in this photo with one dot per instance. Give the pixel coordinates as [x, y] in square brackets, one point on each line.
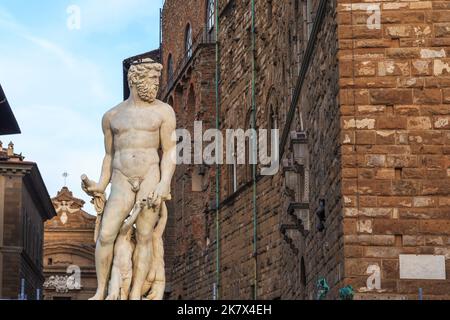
[214, 291]
[217, 92]
[255, 210]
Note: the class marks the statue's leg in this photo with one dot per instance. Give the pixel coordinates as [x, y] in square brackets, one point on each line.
[114, 284]
[126, 285]
[142, 258]
[118, 206]
[156, 279]
[126, 267]
[145, 224]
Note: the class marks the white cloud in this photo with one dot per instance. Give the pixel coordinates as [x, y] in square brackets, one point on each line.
[58, 99]
[60, 139]
[59, 95]
[40, 59]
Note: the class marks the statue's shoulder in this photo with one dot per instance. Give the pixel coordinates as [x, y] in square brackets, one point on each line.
[165, 108]
[110, 113]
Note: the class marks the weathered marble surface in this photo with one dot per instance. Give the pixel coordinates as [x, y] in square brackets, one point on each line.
[129, 253]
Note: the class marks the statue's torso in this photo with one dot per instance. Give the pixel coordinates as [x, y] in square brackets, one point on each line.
[136, 138]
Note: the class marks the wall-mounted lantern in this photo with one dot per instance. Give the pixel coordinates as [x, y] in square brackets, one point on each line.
[299, 146]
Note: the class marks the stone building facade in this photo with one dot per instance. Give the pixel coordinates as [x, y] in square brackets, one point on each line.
[188, 84]
[24, 207]
[394, 110]
[69, 251]
[359, 92]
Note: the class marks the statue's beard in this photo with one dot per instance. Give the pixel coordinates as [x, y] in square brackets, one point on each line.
[147, 92]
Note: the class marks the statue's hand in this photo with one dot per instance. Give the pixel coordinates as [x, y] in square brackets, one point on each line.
[161, 193]
[90, 187]
[95, 189]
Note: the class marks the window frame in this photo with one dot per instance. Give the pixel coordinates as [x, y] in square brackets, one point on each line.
[188, 41]
[210, 15]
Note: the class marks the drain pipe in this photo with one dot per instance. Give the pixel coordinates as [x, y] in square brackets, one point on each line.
[255, 209]
[217, 76]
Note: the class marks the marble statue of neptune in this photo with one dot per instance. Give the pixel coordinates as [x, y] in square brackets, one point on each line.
[139, 164]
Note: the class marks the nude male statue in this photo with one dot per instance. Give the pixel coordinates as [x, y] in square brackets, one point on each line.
[134, 132]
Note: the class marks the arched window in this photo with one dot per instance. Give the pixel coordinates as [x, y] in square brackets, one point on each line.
[188, 41]
[170, 69]
[272, 125]
[210, 15]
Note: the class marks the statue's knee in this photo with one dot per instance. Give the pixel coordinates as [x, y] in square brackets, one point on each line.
[107, 238]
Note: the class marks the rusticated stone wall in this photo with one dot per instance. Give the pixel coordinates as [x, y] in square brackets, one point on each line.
[395, 141]
[374, 104]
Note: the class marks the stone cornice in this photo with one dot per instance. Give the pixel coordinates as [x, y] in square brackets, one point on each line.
[15, 168]
[34, 182]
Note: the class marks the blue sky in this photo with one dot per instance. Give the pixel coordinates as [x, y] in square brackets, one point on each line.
[59, 82]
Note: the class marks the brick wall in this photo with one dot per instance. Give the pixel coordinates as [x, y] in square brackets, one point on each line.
[189, 256]
[374, 106]
[395, 140]
[278, 61]
[318, 109]
[177, 14]
[273, 66]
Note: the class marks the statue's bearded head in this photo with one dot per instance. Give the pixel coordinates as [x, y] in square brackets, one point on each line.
[144, 76]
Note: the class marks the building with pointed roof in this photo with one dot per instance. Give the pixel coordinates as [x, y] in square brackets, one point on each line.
[69, 247]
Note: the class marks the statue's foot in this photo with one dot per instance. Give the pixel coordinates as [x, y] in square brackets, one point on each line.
[157, 292]
[97, 297]
[112, 297]
[135, 295]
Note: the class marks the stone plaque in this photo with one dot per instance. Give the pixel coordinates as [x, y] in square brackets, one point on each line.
[423, 267]
[378, 296]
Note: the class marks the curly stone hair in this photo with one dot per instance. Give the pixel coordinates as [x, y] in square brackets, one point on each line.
[142, 74]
